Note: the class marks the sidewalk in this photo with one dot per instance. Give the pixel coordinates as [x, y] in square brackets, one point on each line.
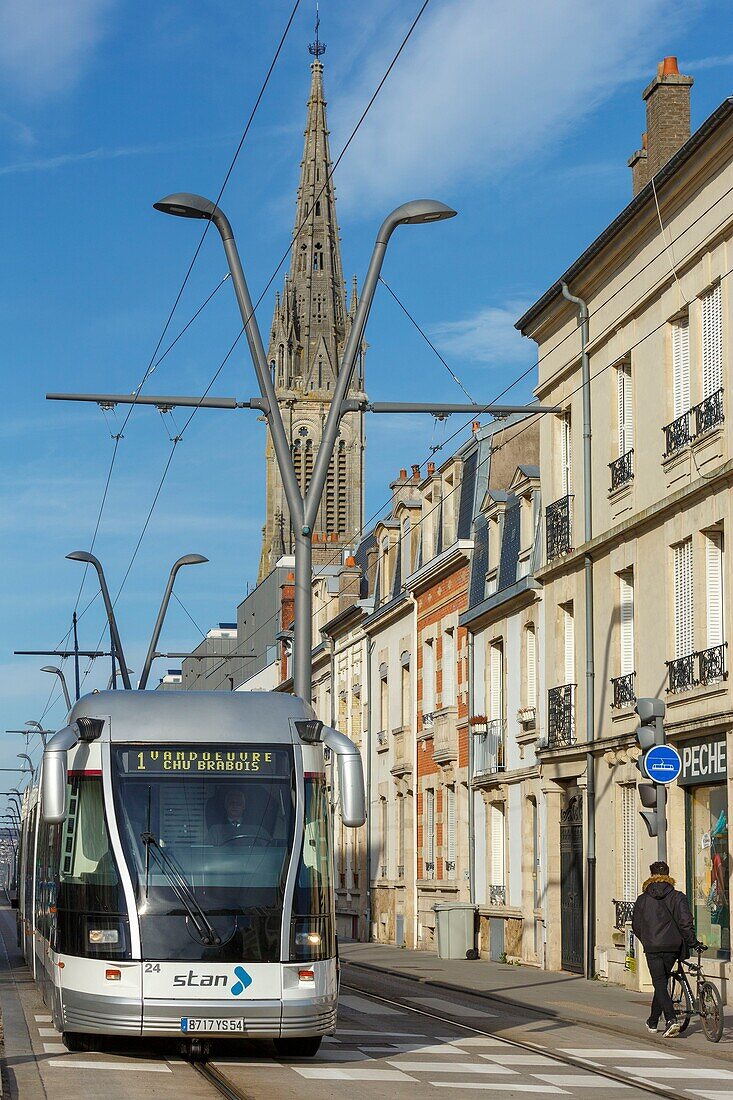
[526, 989]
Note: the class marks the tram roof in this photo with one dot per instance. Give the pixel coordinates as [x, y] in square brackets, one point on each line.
[193, 715]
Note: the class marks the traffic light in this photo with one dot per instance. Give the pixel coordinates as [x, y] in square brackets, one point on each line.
[650, 732]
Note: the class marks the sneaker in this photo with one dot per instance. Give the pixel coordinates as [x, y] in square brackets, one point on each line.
[672, 1030]
[651, 1029]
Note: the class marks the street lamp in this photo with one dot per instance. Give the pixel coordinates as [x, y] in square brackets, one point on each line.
[187, 559]
[57, 672]
[303, 510]
[41, 730]
[25, 756]
[82, 555]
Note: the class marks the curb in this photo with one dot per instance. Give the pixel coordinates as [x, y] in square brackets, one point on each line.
[550, 1012]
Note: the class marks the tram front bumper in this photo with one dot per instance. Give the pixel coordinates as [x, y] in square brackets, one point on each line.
[261, 1019]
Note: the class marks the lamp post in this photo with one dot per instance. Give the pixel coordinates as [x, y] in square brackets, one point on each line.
[82, 555]
[25, 756]
[187, 559]
[57, 672]
[303, 509]
[41, 730]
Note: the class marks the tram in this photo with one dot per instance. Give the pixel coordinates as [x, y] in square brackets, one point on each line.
[176, 874]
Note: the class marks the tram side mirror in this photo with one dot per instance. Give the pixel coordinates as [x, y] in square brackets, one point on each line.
[352, 793]
[53, 775]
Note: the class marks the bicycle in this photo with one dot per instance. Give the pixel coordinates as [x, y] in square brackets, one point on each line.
[706, 1001]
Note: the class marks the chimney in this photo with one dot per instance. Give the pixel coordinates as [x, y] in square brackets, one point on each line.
[431, 469]
[349, 583]
[667, 121]
[475, 425]
[403, 475]
[416, 471]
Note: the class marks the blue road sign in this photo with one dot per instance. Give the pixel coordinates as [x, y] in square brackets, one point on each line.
[662, 764]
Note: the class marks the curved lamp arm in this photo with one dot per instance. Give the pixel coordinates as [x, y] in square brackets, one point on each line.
[57, 672]
[82, 555]
[187, 559]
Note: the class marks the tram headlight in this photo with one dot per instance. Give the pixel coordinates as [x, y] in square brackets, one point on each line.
[104, 936]
[308, 939]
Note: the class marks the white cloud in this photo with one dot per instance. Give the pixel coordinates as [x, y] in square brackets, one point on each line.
[44, 44]
[61, 160]
[483, 87]
[488, 336]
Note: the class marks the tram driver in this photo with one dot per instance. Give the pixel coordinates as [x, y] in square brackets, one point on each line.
[233, 824]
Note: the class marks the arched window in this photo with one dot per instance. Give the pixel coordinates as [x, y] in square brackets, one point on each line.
[318, 207]
[281, 365]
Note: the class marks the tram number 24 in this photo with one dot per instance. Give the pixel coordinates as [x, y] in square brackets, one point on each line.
[152, 968]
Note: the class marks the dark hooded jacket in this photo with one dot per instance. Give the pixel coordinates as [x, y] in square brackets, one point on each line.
[662, 919]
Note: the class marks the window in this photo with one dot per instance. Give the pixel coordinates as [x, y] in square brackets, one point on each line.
[400, 836]
[708, 865]
[629, 806]
[712, 342]
[405, 695]
[428, 677]
[406, 550]
[318, 207]
[530, 671]
[496, 678]
[449, 669]
[626, 621]
[450, 828]
[385, 586]
[681, 365]
[714, 587]
[384, 697]
[625, 409]
[429, 842]
[383, 811]
[496, 819]
[683, 600]
[566, 455]
[568, 625]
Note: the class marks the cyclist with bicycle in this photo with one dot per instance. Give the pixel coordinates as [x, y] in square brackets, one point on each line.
[663, 923]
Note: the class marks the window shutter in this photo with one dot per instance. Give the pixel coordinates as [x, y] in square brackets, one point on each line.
[626, 604]
[449, 669]
[712, 342]
[569, 632]
[683, 600]
[625, 409]
[628, 814]
[531, 641]
[714, 586]
[428, 678]
[497, 845]
[681, 366]
[566, 455]
[496, 708]
[429, 845]
[450, 852]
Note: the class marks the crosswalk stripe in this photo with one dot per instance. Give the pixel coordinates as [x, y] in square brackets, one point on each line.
[575, 1080]
[437, 1003]
[647, 1072]
[371, 1008]
[316, 1074]
[54, 1048]
[42, 1019]
[451, 1067]
[47, 1032]
[604, 1052]
[474, 1041]
[135, 1067]
[522, 1059]
[535, 1089]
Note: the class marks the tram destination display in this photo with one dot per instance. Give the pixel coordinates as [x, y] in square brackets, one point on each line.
[254, 760]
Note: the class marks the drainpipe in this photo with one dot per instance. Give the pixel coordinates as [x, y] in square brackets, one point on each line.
[471, 812]
[590, 950]
[415, 784]
[368, 739]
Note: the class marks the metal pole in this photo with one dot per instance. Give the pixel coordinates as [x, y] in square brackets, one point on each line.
[76, 659]
[302, 640]
[187, 559]
[116, 646]
[471, 793]
[589, 646]
[662, 822]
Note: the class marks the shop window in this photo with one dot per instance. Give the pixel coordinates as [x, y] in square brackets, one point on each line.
[707, 866]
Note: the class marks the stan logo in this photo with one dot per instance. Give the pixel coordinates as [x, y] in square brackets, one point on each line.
[244, 981]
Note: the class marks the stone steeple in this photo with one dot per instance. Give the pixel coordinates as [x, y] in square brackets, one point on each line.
[307, 337]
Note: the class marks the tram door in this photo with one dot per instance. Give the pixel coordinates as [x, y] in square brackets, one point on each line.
[571, 879]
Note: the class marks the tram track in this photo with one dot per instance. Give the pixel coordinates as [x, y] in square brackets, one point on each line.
[219, 1081]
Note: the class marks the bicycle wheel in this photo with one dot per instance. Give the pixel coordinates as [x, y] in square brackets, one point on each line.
[711, 1012]
[681, 996]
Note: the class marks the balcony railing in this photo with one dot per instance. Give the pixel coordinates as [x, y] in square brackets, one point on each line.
[711, 664]
[681, 673]
[622, 470]
[558, 527]
[497, 895]
[430, 870]
[382, 740]
[561, 716]
[488, 747]
[400, 870]
[624, 694]
[450, 865]
[708, 414]
[383, 870]
[624, 913]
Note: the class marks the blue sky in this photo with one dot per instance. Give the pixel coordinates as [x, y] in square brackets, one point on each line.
[520, 116]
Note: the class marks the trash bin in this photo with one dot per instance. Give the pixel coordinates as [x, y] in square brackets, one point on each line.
[456, 927]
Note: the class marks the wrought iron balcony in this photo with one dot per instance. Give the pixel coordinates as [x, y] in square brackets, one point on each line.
[383, 870]
[622, 470]
[430, 870]
[558, 527]
[382, 740]
[711, 664]
[561, 716]
[624, 694]
[677, 434]
[400, 870]
[681, 673]
[450, 865]
[624, 913]
[488, 747]
[497, 895]
[709, 413]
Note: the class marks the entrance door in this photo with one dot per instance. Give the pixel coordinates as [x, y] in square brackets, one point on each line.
[571, 879]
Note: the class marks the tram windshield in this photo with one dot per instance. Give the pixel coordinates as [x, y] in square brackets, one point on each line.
[208, 833]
